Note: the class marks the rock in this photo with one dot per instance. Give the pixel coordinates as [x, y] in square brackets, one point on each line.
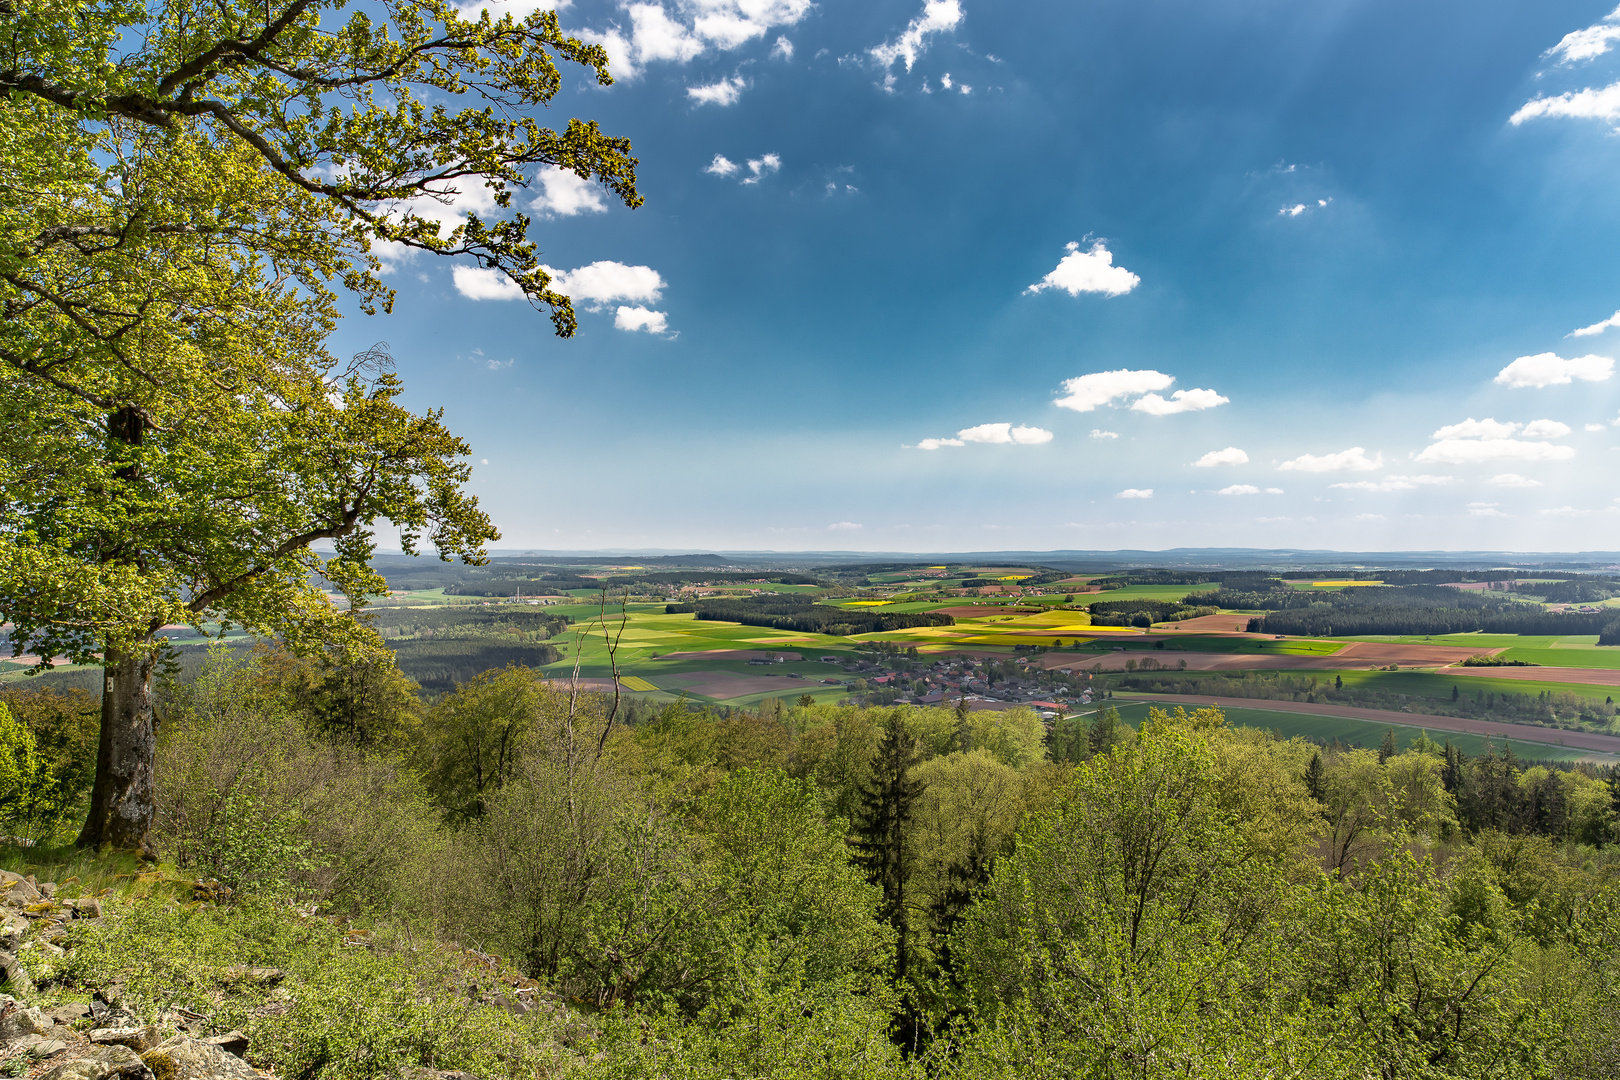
[138, 1039]
[16, 976]
[232, 1042]
[184, 1058]
[47, 1047]
[15, 1025]
[48, 888]
[103, 1063]
[17, 888]
[66, 1014]
[86, 908]
[258, 976]
[12, 929]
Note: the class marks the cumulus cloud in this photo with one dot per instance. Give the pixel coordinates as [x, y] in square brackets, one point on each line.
[725, 92]
[1086, 392]
[1099, 433]
[1597, 327]
[563, 193]
[1591, 42]
[1002, 434]
[1395, 483]
[1588, 104]
[640, 318]
[1179, 402]
[478, 283]
[782, 48]
[1563, 511]
[1005, 433]
[1474, 441]
[1230, 456]
[1549, 369]
[1135, 493]
[1089, 271]
[1513, 480]
[606, 281]
[1354, 459]
[1476, 451]
[937, 17]
[721, 166]
[845, 526]
[688, 30]
[1545, 429]
[1239, 489]
[761, 167]
[1486, 512]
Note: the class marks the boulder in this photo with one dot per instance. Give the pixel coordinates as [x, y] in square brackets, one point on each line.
[66, 1014]
[15, 976]
[103, 1063]
[232, 1042]
[185, 1058]
[47, 1048]
[86, 908]
[138, 1039]
[21, 1022]
[18, 889]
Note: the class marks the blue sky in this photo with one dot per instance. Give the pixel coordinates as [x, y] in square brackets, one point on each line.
[950, 275]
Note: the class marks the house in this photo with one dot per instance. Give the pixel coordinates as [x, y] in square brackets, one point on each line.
[1051, 705]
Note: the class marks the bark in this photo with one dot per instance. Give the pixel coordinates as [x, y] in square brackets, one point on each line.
[123, 799]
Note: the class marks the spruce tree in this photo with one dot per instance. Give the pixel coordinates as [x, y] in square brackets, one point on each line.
[880, 837]
[1316, 778]
[1387, 749]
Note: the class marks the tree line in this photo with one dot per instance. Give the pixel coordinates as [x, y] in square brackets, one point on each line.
[786, 612]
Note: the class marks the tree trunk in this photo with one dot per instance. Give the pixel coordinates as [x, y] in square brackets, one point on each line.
[123, 800]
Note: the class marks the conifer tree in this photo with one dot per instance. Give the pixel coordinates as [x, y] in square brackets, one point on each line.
[1316, 778]
[880, 838]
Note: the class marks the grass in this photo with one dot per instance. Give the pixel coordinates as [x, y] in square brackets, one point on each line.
[1368, 733]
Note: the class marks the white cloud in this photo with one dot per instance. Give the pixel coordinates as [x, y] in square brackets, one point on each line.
[1475, 451]
[1230, 456]
[1354, 459]
[1545, 429]
[605, 281]
[640, 318]
[1135, 493]
[762, 167]
[1239, 489]
[564, 193]
[1179, 402]
[692, 28]
[1369, 517]
[937, 17]
[1549, 369]
[1088, 271]
[1563, 511]
[1474, 441]
[1588, 43]
[845, 526]
[721, 166]
[782, 48]
[725, 92]
[1395, 483]
[935, 444]
[1099, 433]
[478, 283]
[1588, 104]
[1513, 480]
[1086, 392]
[1597, 327]
[1292, 211]
[1005, 433]
[1486, 512]
[1595, 427]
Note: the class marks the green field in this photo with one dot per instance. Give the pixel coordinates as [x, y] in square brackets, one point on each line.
[1369, 734]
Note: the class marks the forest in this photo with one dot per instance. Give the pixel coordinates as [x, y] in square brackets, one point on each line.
[843, 892]
[1399, 610]
[801, 613]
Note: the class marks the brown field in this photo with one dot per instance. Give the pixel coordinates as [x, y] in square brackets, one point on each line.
[1235, 625]
[729, 684]
[1584, 740]
[1588, 676]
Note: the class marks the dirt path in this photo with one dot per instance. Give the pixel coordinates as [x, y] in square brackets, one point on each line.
[1606, 744]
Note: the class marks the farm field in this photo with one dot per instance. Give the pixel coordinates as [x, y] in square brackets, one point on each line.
[1369, 733]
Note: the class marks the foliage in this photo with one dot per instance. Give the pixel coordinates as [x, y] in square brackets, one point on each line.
[29, 794]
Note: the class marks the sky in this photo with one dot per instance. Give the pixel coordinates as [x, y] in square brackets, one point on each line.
[947, 275]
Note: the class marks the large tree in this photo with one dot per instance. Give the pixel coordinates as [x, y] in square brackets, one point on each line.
[184, 189]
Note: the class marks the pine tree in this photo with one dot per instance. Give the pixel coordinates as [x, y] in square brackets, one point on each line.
[1386, 749]
[1105, 731]
[1316, 778]
[880, 837]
